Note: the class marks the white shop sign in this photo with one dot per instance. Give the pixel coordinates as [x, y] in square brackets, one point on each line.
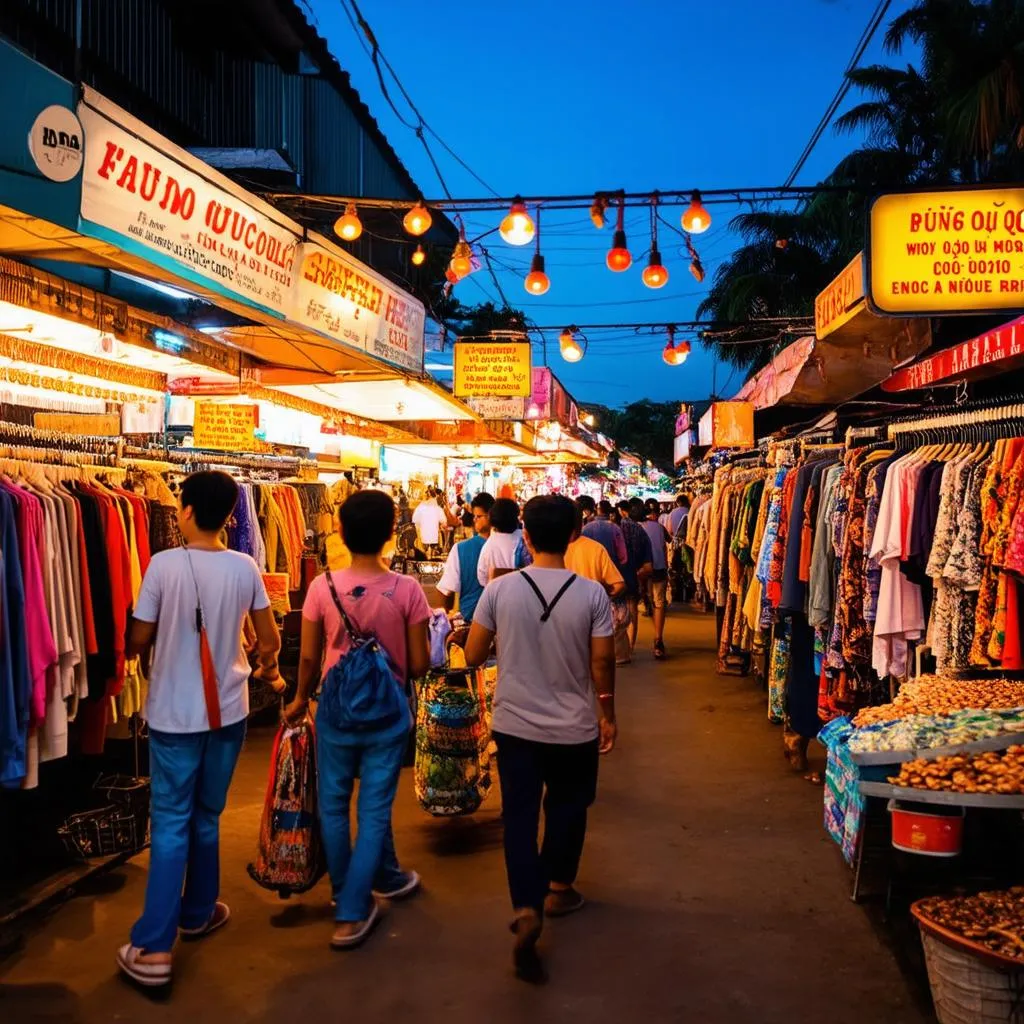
[338, 296]
[157, 201]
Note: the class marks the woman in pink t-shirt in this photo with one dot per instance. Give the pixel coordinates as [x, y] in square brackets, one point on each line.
[395, 610]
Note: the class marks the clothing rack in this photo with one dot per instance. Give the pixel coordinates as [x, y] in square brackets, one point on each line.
[199, 458]
[1003, 415]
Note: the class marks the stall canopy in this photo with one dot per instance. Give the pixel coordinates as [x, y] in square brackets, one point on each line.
[144, 206]
[387, 400]
[850, 352]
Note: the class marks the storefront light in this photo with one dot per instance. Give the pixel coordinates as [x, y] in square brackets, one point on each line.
[348, 226]
[167, 341]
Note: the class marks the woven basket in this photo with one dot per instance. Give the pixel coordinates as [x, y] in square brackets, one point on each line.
[966, 990]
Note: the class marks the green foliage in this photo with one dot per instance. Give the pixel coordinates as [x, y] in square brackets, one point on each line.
[643, 427]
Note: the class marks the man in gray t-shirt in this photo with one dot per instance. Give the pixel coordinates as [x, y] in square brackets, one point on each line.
[554, 712]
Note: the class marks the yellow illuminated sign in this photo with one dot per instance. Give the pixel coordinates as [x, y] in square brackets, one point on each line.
[841, 300]
[493, 369]
[935, 253]
[225, 427]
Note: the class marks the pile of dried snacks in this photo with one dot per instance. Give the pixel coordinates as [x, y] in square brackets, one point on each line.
[934, 695]
[993, 773]
[992, 919]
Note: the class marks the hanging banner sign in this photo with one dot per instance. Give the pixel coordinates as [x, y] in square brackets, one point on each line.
[158, 201]
[499, 408]
[203, 386]
[100, 424]
[339, 296]
[497, 369]
[938, 253]
[539, 405]
[225, 427]
[1001, 345]
[841, 300]
[728, 425]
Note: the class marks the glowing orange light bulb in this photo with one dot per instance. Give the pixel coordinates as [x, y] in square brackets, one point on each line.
[537, 282]
[655, 275]
[461, 262]
[570, 348]
[682, 351]
[418, 220]
[696, 218]
[348, 226]
[518, 227]
[419, 256]
[618, 258]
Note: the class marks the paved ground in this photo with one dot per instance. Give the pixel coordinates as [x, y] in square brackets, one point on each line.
[715, 897]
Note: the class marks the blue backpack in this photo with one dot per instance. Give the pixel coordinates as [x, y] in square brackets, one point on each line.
[360, 693]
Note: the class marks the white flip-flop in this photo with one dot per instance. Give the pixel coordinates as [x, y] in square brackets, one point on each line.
[132, 962]
[359, 937]
[220, 917]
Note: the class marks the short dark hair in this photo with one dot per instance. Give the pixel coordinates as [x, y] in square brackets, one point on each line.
[682, 501]
[586, 503]
[504, 515]
[623, 506]
[367, 521]
[211, 495]
[550, 521]
[604, 507]
[653, 508]
[637, 510]
[483, 501]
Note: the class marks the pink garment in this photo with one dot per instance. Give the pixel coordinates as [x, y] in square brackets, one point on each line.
[384, 604]
[42, 649]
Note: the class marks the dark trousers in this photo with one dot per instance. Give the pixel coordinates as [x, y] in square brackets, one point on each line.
[564, 778]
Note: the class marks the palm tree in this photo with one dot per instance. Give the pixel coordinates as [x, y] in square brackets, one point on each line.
[959, 118]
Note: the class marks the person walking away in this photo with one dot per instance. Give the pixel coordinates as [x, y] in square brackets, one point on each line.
[554, 712]
[460, 570]
[637, 568]
[504, 550]
[193, 602]
[679, 571]
[394, 609]
[605, 532]
[428, 518]
[589, 559]
[658, 581]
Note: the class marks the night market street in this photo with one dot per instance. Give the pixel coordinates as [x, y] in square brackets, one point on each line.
[715, 896]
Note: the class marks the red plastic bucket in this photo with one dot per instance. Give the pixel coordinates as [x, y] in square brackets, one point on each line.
[928, 829]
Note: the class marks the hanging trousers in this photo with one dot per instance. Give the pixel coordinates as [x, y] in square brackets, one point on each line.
[562, 778]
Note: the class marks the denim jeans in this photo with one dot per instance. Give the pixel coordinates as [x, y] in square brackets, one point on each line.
[190, 775]
[356, 870]
[564, 778]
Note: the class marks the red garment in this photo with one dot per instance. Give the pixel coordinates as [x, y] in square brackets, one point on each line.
[88, 619]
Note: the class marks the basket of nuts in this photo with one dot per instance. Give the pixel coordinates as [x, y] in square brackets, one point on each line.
[974, 950]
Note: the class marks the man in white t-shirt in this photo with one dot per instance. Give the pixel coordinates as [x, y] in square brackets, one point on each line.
[504, 551]
[428, 518]
[554, 713]
[193, 602]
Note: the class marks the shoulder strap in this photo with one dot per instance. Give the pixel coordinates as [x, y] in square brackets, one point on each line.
[548, 608]
[352, 635]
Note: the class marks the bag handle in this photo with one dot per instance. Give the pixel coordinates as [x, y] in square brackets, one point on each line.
[548, 608]
[353, 636]
[211, 691]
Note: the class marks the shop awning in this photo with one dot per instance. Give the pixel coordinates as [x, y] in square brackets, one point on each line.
[389, 400]
[474, 452]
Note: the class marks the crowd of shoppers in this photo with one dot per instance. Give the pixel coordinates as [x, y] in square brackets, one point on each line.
[554, 588]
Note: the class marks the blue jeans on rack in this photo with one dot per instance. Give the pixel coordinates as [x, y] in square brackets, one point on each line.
[189, 778]
[370, 863]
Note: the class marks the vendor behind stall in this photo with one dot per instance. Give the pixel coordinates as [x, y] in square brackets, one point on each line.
[460, 571]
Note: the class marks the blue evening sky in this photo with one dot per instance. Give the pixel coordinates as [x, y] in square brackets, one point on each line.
[551, 97]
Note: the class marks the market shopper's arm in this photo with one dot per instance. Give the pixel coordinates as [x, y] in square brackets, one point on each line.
[311, 652]
[141, 636]
[602, 671]
[268, 645]
[478, 646]
[418, 649]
